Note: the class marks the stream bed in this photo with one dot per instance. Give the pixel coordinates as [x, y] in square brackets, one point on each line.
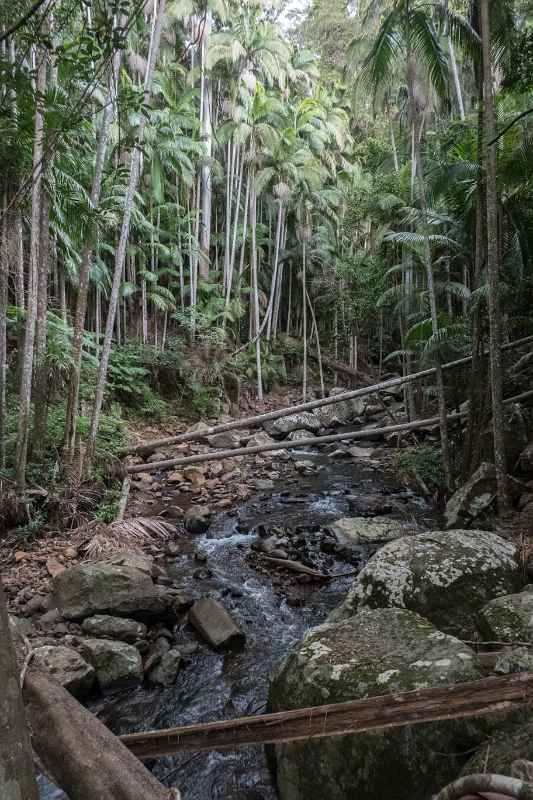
[274, 611]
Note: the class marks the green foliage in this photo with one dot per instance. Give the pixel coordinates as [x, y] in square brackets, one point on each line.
[205, 400]
[126, 375]
[425, 462]
[273, 369]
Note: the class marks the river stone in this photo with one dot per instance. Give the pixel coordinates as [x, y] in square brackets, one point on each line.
[295, 422]
[380, 651]
[259, 439]
[514, 659]
[225, 441]
[66, 666]
[476, 495]
[107, 588]
[352, 531]
[105, 627]
[214, 624]
[118, 665]
[447, 576]
[165, 672]
[508, 618]
[197, 519]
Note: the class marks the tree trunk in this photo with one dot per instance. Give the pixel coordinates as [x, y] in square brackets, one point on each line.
[255, 288]
[489, 152]
[456, 79]
[4, 280]
[159, 11]
[207, 138]
[17, 775]
[26, 374]
[79, 752]
[83, 275]
[41, 330]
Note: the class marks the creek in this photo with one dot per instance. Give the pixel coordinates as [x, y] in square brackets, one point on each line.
[274, 610]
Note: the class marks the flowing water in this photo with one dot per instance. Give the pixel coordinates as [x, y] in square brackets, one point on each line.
[274, 613]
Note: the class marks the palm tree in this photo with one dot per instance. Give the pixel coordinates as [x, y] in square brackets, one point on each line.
[408, 33]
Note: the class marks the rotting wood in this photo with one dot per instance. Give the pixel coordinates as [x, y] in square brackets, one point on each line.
[456, 701]
[365, 433]
[189, 436]
[297, 566]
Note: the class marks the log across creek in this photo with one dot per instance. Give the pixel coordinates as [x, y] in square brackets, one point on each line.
[312, 441]
[475, 698]
[145, 448]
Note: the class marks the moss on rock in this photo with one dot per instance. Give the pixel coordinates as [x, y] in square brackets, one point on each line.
[446, 576]
[373, 653]
[508, 618]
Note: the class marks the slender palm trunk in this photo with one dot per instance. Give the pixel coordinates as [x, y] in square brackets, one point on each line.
[26, 375]
[304, 319]
[456, 79]
[86, 258]
[493, 266]
[443, 424]
[274, 282]
[255, 288]
[207, 138]
[4, 278]
[159, 10]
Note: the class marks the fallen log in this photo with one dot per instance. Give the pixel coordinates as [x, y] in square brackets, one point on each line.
[77, 750]
[313, 441]
[148, 447]
[486, 785]
[297, 566]
[217, 455]
[456, 701]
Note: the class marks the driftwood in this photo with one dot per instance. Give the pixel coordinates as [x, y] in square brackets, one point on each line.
[84, 758]
[297, 566]
[336, 719]
[148, 447]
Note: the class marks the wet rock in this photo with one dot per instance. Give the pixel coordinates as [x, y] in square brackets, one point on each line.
[298, 436]
[166, 671]
[197, 519]
[225, 441]
[447, 576]
[175, 477]
[37, 604]
[352, 531]
[113, 587]
[306, 466]
[526, 458]
[159, 455]
[374, 653]
[508, 618]
[105, 627]
[66, 666]
[155, 653]
[194, 475]
[476, 495]
[118, 665]
[302, 421]
[214, 624]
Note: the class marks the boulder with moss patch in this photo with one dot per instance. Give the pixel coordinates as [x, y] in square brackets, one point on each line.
[447, 576]
[376, 652]
[508, 618]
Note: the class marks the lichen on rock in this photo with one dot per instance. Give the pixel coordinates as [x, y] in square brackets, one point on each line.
[446, 576]
[376, 652]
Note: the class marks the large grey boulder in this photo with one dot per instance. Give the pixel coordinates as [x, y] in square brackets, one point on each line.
[121, 589]
[447, 576]
[118, 665]
[66, 666]
[511, 740]
[376, 652]
[214, 624]
[341, 413]
[476, 495]
[508, 618]
[225, 441]
[105, 627]
[295, 422]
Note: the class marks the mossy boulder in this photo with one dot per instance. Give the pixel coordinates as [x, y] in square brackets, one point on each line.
[447, 576]
[512, 740]
[508, 618]
[376, 652]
